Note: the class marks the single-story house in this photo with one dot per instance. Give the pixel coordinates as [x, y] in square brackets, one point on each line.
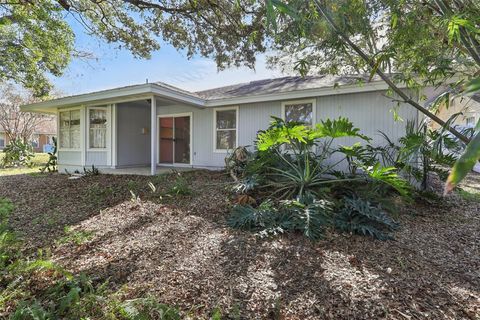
[156, 124]
[41, 139]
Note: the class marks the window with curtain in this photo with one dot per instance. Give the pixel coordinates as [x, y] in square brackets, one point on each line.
[70, 129]
[299, 112]
[225, 129]
[97, 128]
[2, 140]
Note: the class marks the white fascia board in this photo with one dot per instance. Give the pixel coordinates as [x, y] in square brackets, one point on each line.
[301, 94]
[145, 91]
[178, 96]
[117, 95]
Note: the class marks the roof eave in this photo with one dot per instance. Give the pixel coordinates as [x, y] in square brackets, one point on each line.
[300, 94]
[124, 94]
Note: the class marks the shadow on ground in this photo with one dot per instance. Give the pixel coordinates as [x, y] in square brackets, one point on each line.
[179, 249]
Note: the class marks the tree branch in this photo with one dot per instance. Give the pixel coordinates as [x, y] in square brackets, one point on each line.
[384, 77]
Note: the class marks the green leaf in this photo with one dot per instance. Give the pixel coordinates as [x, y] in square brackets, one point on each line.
[464, 164]
[473, 86]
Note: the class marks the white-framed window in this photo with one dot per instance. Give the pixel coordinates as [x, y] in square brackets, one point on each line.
[470, 121]
[299, 111]
[69, 129]
[97, 127]
[2, 140]
[225, 122]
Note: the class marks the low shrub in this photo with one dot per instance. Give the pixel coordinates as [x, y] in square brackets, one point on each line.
[180, 186]
[362, 217]
[295, 178]
[17, 153]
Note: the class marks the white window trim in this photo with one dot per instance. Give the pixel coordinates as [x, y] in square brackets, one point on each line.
[104, 108]
[215, 150]
[59, 129]
[314, 108]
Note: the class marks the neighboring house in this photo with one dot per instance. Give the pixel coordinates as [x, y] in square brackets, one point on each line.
[467, 108]
[157, 124]
[42, 138]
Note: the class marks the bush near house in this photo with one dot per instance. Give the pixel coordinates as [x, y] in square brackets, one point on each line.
[296, 179]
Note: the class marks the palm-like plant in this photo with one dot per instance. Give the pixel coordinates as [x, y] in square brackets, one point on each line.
[300, 171]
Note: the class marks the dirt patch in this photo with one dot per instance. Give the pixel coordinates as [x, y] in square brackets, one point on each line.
[179, 249]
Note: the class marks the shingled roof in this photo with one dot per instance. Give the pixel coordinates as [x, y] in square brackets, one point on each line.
[278, 85]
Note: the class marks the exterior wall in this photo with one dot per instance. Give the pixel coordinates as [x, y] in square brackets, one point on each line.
[469, 108]
[130, 141]
[43, 139]
[77, 159]
[133, 134]
[368, 111]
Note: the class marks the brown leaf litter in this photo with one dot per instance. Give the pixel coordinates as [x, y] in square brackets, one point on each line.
[179, 249]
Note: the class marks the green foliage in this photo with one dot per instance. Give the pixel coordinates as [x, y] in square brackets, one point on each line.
[301, 187]
[420, 152]
[360, 216]
[298, 171]
[9, 243]
[390, 177]
[465, 163]
[299, 136]
[17, 153]
[91, 172]
[229, 32]
[180, 186]
[469, 195]
[144, 309]
[51, 165]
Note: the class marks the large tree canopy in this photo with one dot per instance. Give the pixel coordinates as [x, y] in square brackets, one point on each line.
[34, 41]
[35, 38]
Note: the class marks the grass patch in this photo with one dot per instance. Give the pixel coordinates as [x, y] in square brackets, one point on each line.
[38, 161]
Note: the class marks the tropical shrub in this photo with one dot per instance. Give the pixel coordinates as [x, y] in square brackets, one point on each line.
[308, 215]
[420, 152]
[17, 153]
[362, 217]
[294, 175]
[294, 160]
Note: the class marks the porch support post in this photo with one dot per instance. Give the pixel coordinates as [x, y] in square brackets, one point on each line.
[153, 136]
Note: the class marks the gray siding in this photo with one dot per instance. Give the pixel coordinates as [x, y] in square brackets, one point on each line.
[368, 111]
[70, 157]
[133, 147]
[96, 158]
[254, 117]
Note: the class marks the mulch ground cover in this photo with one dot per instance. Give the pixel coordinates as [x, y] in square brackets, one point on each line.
[177, 247]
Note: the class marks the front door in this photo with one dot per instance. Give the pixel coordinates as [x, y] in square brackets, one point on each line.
[174, 139]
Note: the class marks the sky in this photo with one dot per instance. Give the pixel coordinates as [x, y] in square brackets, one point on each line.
[113, 67]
